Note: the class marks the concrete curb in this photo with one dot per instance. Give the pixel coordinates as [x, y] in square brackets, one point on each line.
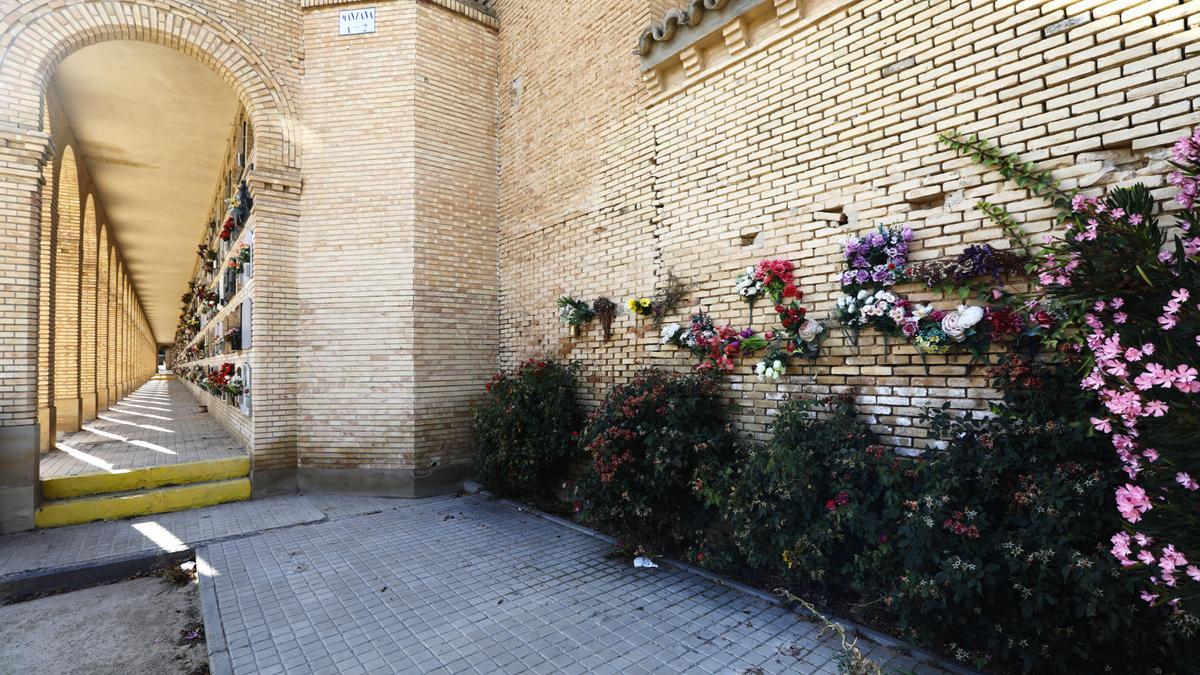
[21, 586]
[852, 627]
[219, 661]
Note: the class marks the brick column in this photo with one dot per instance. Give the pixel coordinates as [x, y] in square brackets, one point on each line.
[88, 267]
[274, 355]
[47, 272]
[66, 304]
[110, 347]
[21, 155]
[102, 254]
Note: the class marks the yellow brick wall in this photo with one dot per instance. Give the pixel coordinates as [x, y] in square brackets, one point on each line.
[607, 182]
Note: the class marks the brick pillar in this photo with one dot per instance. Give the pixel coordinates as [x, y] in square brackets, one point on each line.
[88, 267]
[66, 304]
[102, 255]
[47, 270]
[21, 155]
[110, 347]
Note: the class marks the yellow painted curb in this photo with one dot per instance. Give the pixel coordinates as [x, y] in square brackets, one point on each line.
[149, 477]
[163, 500]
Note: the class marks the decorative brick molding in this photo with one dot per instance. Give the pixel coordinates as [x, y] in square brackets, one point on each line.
[709, 35]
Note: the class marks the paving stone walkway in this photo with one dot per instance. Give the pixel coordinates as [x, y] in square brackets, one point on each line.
[158, 424]
[446, 585]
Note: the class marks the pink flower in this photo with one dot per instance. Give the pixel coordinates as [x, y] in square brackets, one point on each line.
[1102, 425]
[1100, 306]
[1150, 454]
[1132, 502]
[1145, 557]
[1133, 354]
[1149, 597]
[1181, 295]
[1120, 543]
[1193, 572]
[1120, 317]
[1185, 479]
[1148, 348]
[1117, 303]
[1184, 373]
[1167, 321]
[1156, 408]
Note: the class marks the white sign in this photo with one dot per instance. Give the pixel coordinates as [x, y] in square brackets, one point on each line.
[356, 21]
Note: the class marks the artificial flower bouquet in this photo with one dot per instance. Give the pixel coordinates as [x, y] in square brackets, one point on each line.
[574, 312]
[640, 306]
[878, 259]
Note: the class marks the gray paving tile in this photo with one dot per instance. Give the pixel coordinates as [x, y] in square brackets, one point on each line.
[158, 424]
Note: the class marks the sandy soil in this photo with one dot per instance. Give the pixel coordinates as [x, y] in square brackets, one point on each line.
[134, 626]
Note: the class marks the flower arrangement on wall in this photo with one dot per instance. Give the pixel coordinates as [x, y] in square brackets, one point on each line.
[605, 311]
[664, 303]
[238, 262]
[575, 313]
[227, 229]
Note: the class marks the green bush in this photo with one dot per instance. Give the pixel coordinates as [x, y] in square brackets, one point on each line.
[1003, 545]
[817, 505]
[660, 452]
[526, 430]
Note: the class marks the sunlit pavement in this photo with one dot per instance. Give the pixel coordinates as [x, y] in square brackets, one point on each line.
[158, 424]
[338, 584]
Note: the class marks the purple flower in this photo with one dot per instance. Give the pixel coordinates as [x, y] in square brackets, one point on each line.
[862, 276]
[880, 274]
[876, 239]
[859, 261]
[907, 234]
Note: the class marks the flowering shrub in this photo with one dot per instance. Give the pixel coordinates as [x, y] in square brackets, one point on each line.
[1001, 564]
[525, 430]
[1129, 286]
[818, 503]
[660, 451]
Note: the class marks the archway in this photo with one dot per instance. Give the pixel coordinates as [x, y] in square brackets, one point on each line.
[35, 37]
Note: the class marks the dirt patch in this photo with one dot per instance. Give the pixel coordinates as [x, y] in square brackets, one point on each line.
[144, 625]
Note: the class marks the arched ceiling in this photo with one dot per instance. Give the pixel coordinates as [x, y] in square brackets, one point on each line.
[152, 126]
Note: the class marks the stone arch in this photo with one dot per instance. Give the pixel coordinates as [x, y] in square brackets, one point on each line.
[39, 35]
[69, 221]
[259, 64]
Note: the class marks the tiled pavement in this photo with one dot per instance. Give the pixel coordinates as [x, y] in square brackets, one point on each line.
[462, 585]
[159, 423]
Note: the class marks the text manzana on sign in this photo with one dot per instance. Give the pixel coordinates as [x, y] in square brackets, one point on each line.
[356, 21]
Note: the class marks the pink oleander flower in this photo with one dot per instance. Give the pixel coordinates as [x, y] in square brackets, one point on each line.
[1165, 256]
[1193, 572]
[1132, 502]
[1117, 303]
[1149, 597]
[1167, 321]
[1142, 540]
[1102, 425]
[1133, 354]
[1100, 306]
[1185, 479]
[1150, 454]
[1120, 543]
[1148, 348]
[1184, 373]
[1120, 317]
[1145, 557]
[1156, 409]
[1136, 219]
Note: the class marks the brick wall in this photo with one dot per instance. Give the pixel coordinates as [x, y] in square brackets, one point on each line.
[765, 139]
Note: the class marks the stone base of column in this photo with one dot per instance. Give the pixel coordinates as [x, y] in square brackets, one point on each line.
[114, 395]
[410, 483]
[18, 477]
[69, 418]
[47, 426]
[89, 409]
[102, 400]
[272, 482]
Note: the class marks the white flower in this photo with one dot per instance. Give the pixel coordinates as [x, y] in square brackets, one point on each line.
[922, 311]
[809, 330]
[897, 314]
[969, 316]
[953, 328]
[863, 295]
[669, 332]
